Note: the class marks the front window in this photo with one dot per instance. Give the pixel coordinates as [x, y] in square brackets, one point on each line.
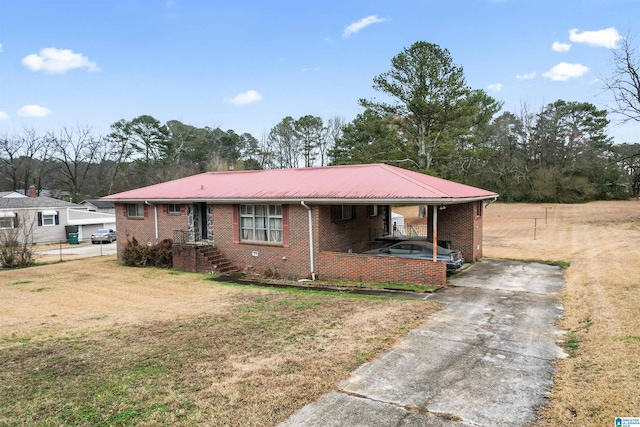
[261, 223]
[135, 210]
[173, 209]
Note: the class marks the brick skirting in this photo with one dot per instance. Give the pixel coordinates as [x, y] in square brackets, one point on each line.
[372, 268]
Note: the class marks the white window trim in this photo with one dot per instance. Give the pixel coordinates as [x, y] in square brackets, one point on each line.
[50, 217]
[8, 216]
[255, 230]
[141, 205]
[174, 212]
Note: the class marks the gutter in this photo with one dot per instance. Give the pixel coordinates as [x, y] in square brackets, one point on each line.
[313, 274]
[400, 201]
[155, 208]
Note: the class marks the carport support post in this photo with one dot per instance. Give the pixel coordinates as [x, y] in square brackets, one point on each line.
[435, 233]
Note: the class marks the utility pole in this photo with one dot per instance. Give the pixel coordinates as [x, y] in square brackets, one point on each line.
[546, 213]
[535, 227]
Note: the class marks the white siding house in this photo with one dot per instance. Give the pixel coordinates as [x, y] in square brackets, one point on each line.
[49, 220]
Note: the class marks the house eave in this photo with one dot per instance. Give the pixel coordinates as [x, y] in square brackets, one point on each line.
[320, 201]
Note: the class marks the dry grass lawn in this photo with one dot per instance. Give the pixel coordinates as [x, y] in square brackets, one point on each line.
[601, 378]
[90, 342]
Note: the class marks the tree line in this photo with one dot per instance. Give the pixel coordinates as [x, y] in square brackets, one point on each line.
[429, 120]
[77, 163]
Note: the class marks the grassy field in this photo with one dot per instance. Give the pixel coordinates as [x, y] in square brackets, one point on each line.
[89, 342]
[600, 380]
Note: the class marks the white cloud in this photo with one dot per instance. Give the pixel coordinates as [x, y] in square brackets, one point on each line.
[1, 50]
[248, 97]
[309, 69]
[54, 60]
[528, 76]
[496, 87]
[564, 71]
[34, 111]
[560, 47]
[359, 25]
[3, 115]
[605, 38]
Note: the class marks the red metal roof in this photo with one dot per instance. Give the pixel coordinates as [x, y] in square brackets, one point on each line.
[353, 184]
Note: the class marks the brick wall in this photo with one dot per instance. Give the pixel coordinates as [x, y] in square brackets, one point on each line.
[340, 236]
[185, 257]
[372, 268]
[143, 229]
[291, 261]
[461, 225]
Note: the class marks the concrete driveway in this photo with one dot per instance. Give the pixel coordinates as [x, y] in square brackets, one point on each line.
[484, 360]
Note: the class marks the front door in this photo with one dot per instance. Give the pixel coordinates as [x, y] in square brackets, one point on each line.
[204, 229]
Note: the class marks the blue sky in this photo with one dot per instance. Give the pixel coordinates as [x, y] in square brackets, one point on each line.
[245, 65]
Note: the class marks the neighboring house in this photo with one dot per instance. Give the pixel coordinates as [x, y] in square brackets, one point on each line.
[301, 223]
[101, 206]
[48, 220]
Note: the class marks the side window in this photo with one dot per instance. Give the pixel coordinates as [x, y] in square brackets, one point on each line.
[135, 210]
[402, 249]
[416, 249]
[479, 209]
[48, 218]
[8, 220]
[342, 212]
[173, 209]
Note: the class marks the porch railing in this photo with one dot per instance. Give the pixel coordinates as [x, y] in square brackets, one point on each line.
[400, 232]
[191, 237]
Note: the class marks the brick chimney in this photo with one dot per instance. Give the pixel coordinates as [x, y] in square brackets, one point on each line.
[32, 191]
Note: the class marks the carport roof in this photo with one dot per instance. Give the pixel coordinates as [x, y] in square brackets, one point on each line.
[353, 184]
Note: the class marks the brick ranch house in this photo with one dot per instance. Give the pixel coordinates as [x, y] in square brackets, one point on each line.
[302, 223]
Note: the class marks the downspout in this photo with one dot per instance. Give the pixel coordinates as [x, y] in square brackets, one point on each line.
[491, 201]
[155, 208]
[313, 274]
[435, 233]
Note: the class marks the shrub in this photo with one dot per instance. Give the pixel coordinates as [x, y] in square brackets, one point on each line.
[136, 255]
[13, 253]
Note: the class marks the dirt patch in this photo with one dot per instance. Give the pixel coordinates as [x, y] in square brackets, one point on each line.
[103, 344]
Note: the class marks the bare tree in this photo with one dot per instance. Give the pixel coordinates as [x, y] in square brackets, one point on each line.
[333, 132]
[76, 150]
[624, 81]
[25, 159]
